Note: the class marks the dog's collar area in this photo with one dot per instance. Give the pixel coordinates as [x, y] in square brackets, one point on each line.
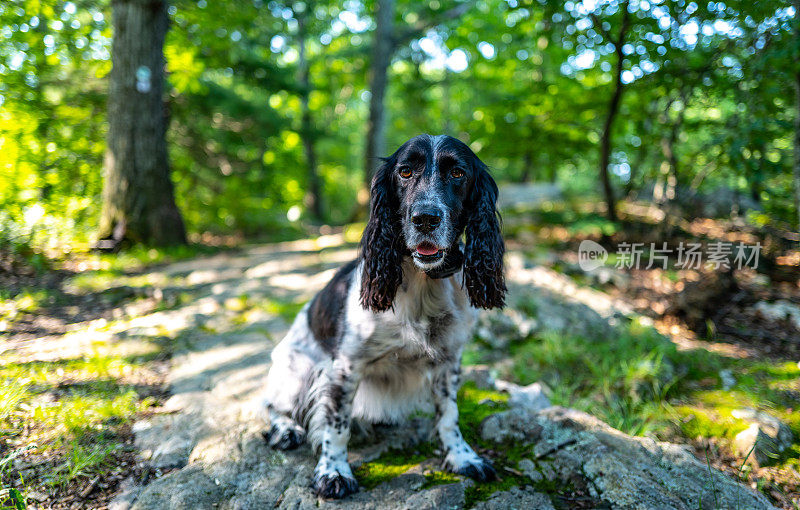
[453, 260]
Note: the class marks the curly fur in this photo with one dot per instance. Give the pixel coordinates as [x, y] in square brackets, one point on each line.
[382, 243]
[483, 256]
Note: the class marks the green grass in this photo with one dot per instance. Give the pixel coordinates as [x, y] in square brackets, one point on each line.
[248, 307]
[624, 381]
[640, 383]
[72, 410]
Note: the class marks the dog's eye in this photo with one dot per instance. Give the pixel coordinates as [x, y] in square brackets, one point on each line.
[457, 172]
[405, 172]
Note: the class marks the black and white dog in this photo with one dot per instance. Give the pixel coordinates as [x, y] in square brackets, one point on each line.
[385, 336]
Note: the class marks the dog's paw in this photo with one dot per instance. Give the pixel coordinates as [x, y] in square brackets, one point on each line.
[286, 437]
[475, 467]
[334, 485]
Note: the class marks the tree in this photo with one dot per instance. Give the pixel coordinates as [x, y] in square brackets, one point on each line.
[314, 193]
[383, 47]
[613, 105]
[387, 39]
[138, 201]
[796, 168]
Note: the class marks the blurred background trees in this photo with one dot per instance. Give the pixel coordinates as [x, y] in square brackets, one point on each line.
[278, 111]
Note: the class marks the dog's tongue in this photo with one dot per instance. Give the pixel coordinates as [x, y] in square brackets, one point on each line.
[427, 249]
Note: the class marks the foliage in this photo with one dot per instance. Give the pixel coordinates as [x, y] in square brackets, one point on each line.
[526, 84]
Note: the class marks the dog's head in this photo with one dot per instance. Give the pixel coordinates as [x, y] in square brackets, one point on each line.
[423, 197]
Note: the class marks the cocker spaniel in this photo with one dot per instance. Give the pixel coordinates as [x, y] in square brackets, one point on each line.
[385, 335]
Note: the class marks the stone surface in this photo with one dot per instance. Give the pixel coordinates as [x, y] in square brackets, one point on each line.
[766, 436]
[516, 499]
[627, 472]
[532, 397]
[204, 447]
[481, 375]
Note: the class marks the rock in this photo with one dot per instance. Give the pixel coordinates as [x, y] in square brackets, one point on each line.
[208, 432]
[627, 472]
[480, 375]
[128, 493]
[501, 328]
[779, 310]
[532, 397]
[514, 425]
[187, 489]
[558, 305]
[766, 436]
[604, 275]
[528, 468]
[516, 499]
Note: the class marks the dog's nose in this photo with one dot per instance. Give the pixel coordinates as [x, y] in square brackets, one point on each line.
[426, 220]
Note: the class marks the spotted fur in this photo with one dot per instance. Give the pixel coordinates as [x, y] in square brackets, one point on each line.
[385, 337]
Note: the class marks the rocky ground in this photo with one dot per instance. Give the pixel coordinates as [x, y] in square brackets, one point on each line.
[164, 369]
[202, 448]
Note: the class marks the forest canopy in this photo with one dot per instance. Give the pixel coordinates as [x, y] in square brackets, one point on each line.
[270, 104]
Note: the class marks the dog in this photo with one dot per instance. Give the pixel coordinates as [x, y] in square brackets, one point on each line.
[384, 337]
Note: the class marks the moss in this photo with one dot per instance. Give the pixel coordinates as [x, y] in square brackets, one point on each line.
[483, 491]
[434, 478]
[698, 422]
[372, 474]
[473, 409]
[394, 463]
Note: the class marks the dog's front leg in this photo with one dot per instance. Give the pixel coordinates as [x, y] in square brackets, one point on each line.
[332, 415]
[460, 458]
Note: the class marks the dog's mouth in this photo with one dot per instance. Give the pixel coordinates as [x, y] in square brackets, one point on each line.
[428, 252]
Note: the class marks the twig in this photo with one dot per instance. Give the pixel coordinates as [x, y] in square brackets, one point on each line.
[90, 487]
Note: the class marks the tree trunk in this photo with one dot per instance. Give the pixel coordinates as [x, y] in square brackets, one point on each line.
[382, 50]
[314, 191]
[613, 109]
[670, 166]
[138, 201]
[641, 155]
[527, 167]
[796, 171]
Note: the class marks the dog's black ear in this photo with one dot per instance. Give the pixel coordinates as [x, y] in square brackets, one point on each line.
[483, 253]
[382, 242]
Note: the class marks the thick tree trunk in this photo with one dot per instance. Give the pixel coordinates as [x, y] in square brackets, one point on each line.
[382, 49]
[314, 191]
[138, 201]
